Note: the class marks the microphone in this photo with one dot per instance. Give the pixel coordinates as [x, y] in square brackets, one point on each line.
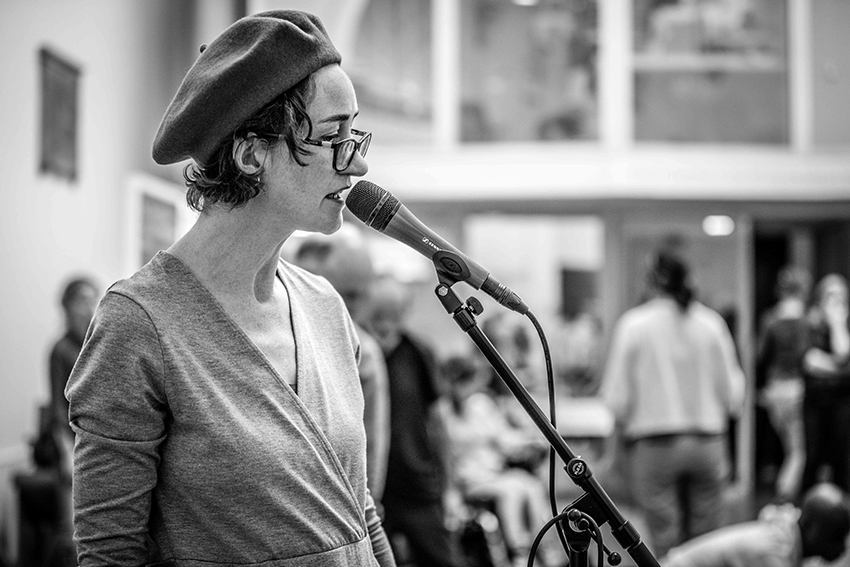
[379, 209]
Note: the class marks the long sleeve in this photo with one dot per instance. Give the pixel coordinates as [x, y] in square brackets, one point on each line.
[380, 543]
[118, 415]
[616, 385]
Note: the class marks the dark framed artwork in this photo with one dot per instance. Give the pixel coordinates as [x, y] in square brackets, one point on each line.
[59, 104]
[157, 215]
[159, 226]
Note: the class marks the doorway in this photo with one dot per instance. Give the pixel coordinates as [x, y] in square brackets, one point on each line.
[819, 246]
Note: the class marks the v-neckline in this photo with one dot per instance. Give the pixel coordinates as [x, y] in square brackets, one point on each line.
[232, 322]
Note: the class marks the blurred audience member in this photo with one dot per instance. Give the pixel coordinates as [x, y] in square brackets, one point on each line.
[826, 409]
[783, 536]
[672, 381]
[513, 344]
[414, 508]
[577, 353]
[344, 260]
[782, 343]
[47, 523]
[487, 458]
[79, 300]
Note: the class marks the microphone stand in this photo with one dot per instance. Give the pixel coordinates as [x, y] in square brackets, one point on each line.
[595, 502]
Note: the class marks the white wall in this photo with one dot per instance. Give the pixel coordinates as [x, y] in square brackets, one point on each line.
[51, 229]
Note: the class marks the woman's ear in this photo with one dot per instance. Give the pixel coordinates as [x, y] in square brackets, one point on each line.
[249, 153]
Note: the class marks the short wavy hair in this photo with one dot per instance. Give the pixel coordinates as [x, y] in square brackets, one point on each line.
[221, 181]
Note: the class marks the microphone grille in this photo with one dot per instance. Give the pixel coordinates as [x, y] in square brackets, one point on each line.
[373, 205]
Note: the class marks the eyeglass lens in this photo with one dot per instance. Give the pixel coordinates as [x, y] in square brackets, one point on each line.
[345, 151]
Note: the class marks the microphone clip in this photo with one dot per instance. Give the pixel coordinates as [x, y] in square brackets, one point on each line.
[450, 266]
[463, 313]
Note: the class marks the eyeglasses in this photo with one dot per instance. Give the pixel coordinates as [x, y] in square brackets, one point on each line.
[344, 149]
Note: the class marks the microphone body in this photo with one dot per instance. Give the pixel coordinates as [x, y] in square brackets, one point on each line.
[380, 210]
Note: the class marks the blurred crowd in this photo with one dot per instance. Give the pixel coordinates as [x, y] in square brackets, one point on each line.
[461, 447]
[459, 472]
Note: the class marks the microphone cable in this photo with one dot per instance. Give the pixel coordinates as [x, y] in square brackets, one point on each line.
[553, 419]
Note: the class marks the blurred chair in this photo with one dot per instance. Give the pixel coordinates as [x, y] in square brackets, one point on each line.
[44, 500]
[481, 535]
[40, 500]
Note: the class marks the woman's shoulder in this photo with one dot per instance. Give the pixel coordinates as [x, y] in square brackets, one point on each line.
[162, 290]
[165, 291]
[163, 273]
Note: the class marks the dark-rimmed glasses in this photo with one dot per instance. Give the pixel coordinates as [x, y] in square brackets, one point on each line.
[344, 149]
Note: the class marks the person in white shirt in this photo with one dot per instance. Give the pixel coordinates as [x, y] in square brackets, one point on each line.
[673, 381]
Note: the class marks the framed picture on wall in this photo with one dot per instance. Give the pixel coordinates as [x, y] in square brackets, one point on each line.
[59, 101]
[159, 225]
[158, 215]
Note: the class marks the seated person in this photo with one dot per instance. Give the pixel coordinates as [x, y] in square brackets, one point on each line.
[483, 447]
[782, 536]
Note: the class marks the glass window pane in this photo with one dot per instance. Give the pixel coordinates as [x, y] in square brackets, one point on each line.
[711, 71]
[528, 70]
[391, 70]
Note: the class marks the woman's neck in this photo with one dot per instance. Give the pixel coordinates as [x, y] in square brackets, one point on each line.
[231, 253]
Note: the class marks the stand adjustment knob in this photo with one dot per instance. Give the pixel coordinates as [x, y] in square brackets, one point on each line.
[474, 306]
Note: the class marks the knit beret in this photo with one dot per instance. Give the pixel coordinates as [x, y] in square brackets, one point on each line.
[246, 67]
